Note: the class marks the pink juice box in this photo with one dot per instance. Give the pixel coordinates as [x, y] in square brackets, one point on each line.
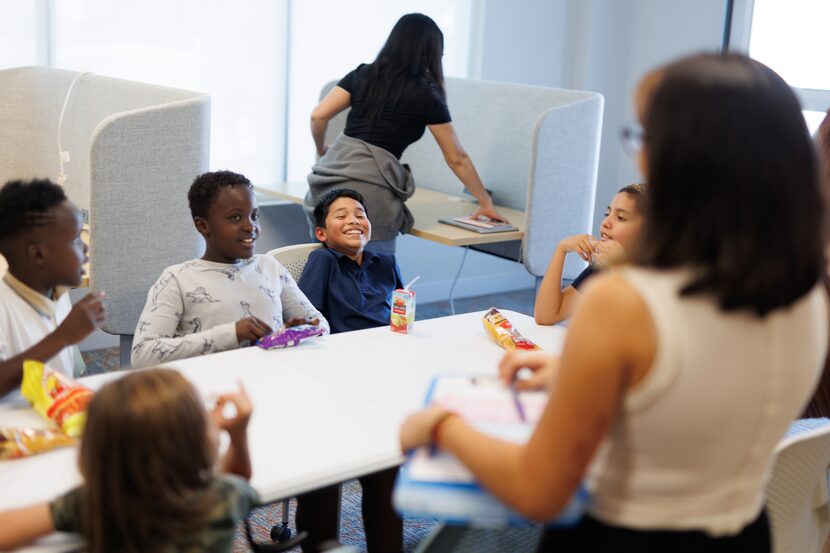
[403, 311]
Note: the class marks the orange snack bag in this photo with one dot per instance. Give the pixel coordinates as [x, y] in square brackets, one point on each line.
[504, 333]
[23, 442]
[56, 397]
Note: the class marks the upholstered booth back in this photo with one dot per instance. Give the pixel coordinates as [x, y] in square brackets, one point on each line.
[536, 148]
[130, 152]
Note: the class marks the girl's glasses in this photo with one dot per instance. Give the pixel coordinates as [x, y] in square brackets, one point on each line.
[632, 136]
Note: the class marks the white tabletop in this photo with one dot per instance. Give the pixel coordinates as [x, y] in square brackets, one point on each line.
[324, 412]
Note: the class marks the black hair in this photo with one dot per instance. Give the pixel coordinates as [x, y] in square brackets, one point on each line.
[321, 210]
[413, 50]
[25, 205]
[733, 184]
[206, 187]
[637, 191]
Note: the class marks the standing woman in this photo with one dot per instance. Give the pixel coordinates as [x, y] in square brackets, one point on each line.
[393, 100]
[681, 373]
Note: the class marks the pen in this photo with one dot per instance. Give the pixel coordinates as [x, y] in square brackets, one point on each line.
[519, 409]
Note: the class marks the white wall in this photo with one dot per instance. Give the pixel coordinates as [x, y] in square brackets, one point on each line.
[599, 45]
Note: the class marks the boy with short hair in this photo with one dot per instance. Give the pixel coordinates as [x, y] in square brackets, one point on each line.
[352, 287]
[40, 237]
[228, 298]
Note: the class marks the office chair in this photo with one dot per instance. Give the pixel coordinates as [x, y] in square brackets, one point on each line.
[797, 494]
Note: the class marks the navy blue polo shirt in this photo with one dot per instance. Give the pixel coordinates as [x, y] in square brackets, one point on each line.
[351, 296]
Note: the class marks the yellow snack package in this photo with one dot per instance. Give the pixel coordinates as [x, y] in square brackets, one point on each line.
[504, 333]
[56, 397]
[23, 442]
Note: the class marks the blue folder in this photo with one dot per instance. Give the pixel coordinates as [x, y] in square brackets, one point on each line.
[456, 502]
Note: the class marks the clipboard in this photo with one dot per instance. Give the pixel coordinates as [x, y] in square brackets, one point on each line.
[436, 485]
[478, 225]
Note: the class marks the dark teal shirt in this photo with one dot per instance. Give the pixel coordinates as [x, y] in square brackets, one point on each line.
[351, 296]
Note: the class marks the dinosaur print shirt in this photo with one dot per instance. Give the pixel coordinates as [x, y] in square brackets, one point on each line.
[193, 307]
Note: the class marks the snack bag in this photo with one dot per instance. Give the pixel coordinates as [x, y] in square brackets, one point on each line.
[402, 317]
[290, 336]
[503, 332]
[23, 442]
[56, 397]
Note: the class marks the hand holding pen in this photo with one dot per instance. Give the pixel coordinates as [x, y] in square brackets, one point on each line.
[542, 365]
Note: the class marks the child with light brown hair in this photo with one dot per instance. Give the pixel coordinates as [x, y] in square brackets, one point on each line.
[151, 481]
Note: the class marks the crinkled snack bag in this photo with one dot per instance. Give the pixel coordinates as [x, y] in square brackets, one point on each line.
[290, 336]
[23, 442]
[504, 333]
[56, 397]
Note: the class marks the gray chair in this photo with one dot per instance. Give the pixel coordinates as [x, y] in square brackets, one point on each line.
[294, 257]
[798, 499]
[128, 153]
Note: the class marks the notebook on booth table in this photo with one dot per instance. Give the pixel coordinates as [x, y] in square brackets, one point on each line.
[434, 484]
[483, 226]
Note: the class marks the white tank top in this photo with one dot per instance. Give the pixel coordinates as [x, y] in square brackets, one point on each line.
[692, 447]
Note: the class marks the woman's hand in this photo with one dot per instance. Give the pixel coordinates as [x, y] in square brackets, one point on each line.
[542, 364]
[491, 213]
[417, 429]
[584, 245]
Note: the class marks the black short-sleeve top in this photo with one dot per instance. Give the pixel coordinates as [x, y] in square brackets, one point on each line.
[402, 122]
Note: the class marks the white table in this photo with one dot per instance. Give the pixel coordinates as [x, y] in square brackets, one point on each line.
[324, 412]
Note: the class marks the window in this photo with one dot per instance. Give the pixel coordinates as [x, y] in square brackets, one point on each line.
[20, 26]
[324, 49]
[789, 36]
[263, 62]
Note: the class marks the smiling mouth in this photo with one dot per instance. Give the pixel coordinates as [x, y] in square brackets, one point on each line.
[352, 232]
[248, 241]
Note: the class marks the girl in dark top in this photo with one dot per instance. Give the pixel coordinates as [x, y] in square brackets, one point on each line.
[619, 229]
[392, 100]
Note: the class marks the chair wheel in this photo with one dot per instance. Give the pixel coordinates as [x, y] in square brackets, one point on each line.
[280, 533]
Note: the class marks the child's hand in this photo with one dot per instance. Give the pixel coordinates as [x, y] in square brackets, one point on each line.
[542, 364]
[236, 425]
[251, 328]
[84, 318]
[609, 252]
[582, 244]
[297, 321]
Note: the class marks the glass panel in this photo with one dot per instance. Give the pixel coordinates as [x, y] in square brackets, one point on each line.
[18, 33]
[791, 37]
[324, 49]
[234, 51]
[813, 120]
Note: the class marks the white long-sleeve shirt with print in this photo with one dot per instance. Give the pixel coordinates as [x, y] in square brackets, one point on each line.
[193, 307]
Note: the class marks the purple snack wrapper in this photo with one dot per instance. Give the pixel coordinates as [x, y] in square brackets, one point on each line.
[287, 337]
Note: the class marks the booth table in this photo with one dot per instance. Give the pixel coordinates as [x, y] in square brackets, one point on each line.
[325, 411]
[427, 206]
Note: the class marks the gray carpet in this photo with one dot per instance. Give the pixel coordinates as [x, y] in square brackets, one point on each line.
[351, 520]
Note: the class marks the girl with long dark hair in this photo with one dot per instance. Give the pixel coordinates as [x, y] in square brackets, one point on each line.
[392, 100]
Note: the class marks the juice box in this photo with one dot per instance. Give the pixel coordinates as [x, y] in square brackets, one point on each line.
[403, 311]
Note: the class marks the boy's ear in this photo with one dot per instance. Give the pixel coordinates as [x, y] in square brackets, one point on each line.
[320, 233]
[201, 225]
[34, 252]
